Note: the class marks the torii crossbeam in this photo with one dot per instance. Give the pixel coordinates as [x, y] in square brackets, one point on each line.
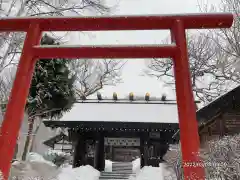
[177, 24]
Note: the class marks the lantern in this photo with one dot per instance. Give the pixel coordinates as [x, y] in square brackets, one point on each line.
[164, 97]
[83, 97]
[147, 97]
[131, 96]
[115, 98]
[99, 96]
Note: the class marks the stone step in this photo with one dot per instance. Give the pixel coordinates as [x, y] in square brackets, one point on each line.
[120, 166]
[117, 174]
[112, 178]
[122, 171]
[117, 162]
[122, 163]
[120, 177]
[115, 177]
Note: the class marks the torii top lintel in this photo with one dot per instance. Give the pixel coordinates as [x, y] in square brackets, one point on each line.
[102, 23]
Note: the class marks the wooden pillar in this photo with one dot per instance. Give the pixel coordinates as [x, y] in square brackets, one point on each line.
[100, 153]
[79, 152]
[163, 149]
[145, 153]
[221, 125]
[96, 154]
[144, 149]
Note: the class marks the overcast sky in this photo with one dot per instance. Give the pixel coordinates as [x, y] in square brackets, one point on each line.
[132, 81]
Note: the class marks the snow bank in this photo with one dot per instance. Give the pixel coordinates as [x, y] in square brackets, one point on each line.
[108, 166]
[136, 165]
[81, 173]
[35, 167]
[1, 176]
[168, 172]
[34, 157]
[57, 157]
[149, 173]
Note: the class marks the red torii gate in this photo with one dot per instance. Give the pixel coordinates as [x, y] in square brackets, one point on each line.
[177, 24]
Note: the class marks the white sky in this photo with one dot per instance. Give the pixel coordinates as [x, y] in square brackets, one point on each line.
[132, 82]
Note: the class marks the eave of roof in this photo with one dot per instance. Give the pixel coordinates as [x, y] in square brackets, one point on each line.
[113, 126]
[221, 104]
[50, 142]
[216, 108]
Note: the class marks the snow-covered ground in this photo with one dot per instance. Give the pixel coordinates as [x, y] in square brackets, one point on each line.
[81, 173]
[149, 173]
[163, 172]
[36, 167]
[108, 166]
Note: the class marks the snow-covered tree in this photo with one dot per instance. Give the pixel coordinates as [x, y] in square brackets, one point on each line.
[52, 90]
[221, 159]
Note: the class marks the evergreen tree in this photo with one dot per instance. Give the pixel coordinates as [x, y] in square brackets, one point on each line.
[51, 92]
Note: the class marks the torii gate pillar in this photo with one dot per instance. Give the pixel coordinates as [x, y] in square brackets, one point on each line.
[177, 51]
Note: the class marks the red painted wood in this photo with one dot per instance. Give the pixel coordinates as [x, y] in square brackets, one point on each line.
[15, 108]
[191, 21]
[189, 136]
[105, 52]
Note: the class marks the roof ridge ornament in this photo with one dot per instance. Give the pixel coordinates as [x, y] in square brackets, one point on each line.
[130, 99]
[147, 97]
[115, 98]
[131, 96]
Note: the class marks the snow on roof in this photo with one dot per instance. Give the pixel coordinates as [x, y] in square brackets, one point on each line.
[112, 112]
[217, 98]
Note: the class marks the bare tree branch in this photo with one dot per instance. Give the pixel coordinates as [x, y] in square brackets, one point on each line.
[210, 66]
[92, 75]
[11, 43]
[213, 56]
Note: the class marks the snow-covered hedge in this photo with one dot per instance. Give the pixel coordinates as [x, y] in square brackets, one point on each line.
[36, 167]
[57, 157]
[221, 160]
